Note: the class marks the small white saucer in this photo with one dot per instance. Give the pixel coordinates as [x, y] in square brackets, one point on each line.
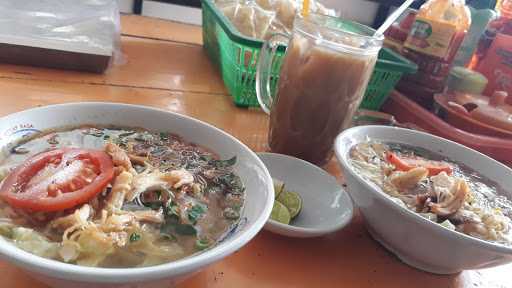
[326, 207]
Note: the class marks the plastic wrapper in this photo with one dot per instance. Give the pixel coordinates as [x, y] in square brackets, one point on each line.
[249, 18]
[261, 18]
[287, 9]
[80, 28]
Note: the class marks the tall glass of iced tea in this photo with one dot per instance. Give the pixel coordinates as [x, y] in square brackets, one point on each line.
[323, 77]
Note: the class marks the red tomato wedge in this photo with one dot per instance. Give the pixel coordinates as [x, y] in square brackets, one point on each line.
[407, 163]
[58, 179]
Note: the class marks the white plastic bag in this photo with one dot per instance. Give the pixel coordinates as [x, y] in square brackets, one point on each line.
[85, 26]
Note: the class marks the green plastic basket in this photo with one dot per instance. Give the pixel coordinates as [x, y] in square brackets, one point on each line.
[237, 57]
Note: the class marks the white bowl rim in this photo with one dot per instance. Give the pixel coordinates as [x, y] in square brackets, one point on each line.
[138, 274]
[404, 211]
[311, 232]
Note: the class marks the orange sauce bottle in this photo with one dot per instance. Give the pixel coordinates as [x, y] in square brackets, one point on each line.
[434, 39]
[493, 56]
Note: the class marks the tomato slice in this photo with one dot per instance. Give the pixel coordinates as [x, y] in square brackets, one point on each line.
[58, 179]
[407, 163]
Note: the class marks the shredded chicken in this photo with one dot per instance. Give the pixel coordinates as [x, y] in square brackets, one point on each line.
[79, 217]
[100, 236]
[148, 216]
[178, 178]
[443, 185]
[79, 233]
[451, 205]
[118, 222]
[119, 238]
[111, 229]
[122, 186]
[146, 181]
[98, 244]
[408, 180]
[137, 159]
[154, 180]
[119, 156]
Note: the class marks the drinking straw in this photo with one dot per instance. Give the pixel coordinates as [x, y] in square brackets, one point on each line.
[391, 19]
[305, 8]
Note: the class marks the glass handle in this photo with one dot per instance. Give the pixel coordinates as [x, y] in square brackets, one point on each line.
[264, 70]
[363, 117]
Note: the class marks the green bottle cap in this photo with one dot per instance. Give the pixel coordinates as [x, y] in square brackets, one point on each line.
[464, 80]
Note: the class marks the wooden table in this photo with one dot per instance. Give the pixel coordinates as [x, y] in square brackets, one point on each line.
[166, 67]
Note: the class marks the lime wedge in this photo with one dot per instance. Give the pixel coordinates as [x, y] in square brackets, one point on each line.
[292, 201]
[278, 187]
[280, 213]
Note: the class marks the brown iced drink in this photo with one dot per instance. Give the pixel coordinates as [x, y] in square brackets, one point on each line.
[318, 93]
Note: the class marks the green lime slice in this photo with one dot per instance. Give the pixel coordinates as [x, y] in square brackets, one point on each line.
[278, 187]
[292, 201]
[280, 213]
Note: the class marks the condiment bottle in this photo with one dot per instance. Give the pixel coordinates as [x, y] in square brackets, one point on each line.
[432, 43]
[493, 57]
[480, 18]
[397, 33]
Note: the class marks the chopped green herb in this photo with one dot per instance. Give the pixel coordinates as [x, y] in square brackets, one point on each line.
[185, 229]
[169, 224]
[126, 134]
[135, 237]
[131, 206]
[202, 244]
[171, 209]
[106, 137]
[191, 165]
[224, 163]
[231, 214]
[206, 158]
[196, 212]
[234, 200]
[173, 226]
[164, 136]
[233, 182]
[155, 205]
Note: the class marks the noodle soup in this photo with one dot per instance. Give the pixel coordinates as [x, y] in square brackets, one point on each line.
[447, 193]
[116, 197]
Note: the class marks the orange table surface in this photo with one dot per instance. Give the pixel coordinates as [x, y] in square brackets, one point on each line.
[166, 67]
